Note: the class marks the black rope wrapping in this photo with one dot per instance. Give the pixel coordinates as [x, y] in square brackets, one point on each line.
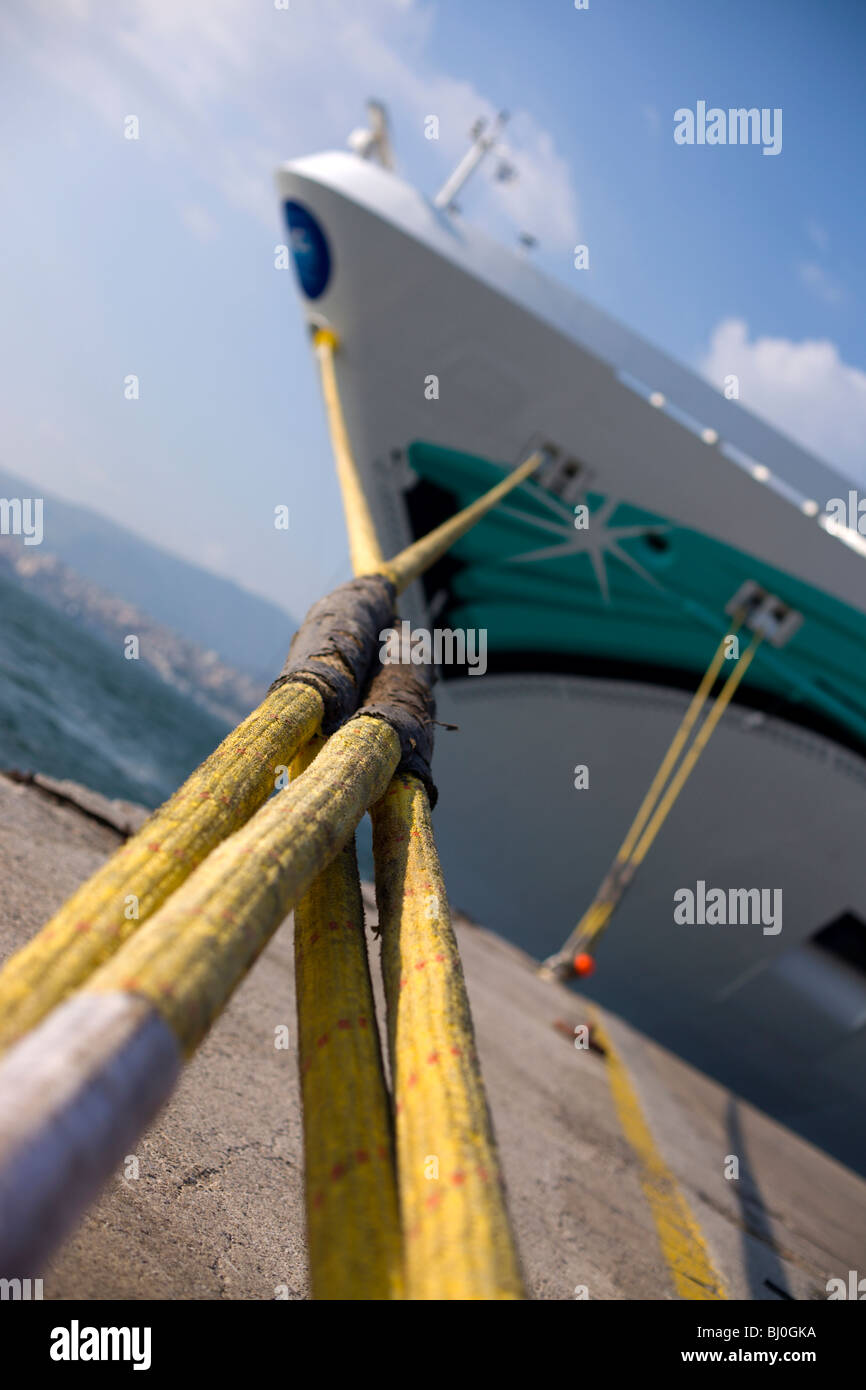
[336, 645]
[401, 695]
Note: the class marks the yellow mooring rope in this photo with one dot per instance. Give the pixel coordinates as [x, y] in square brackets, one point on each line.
[114, 903]
[190, 956]
[217, 798]
[353, 1226]
[418, 557]
[364, 549]
[467, 1251]
[366, 553]
[157, 940]
[654, 808]
[84, 1083]
[702, 738]
[681, 1241]
[458, 1240]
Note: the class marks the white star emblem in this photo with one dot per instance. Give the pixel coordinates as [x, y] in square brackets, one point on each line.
[596, 540]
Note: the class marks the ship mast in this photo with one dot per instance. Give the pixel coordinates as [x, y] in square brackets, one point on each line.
[374, 142]
[481, 146]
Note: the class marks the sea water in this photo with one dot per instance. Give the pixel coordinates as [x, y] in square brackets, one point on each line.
[72, 706]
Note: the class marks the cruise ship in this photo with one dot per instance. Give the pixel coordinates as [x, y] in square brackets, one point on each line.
[603, 589]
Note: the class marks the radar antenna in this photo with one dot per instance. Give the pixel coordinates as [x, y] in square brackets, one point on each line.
[483, 141]
[374, 141]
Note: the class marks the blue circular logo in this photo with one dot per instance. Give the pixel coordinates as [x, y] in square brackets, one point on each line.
[310, 250]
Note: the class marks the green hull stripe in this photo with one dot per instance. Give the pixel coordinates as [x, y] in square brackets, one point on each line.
[667, 586]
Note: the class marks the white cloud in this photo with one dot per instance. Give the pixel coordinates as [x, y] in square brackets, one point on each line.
[820, 282]
[804, 389]
[234, 89]
[199, 222]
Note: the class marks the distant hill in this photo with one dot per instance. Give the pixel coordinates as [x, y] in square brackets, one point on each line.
[194, 671]
[245, 631]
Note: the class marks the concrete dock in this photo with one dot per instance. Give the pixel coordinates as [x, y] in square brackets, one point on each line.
[605, 1149]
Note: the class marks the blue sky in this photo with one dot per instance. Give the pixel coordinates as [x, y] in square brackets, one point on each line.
[156, 256]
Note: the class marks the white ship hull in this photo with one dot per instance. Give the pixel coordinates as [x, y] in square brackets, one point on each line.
[777, 802]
